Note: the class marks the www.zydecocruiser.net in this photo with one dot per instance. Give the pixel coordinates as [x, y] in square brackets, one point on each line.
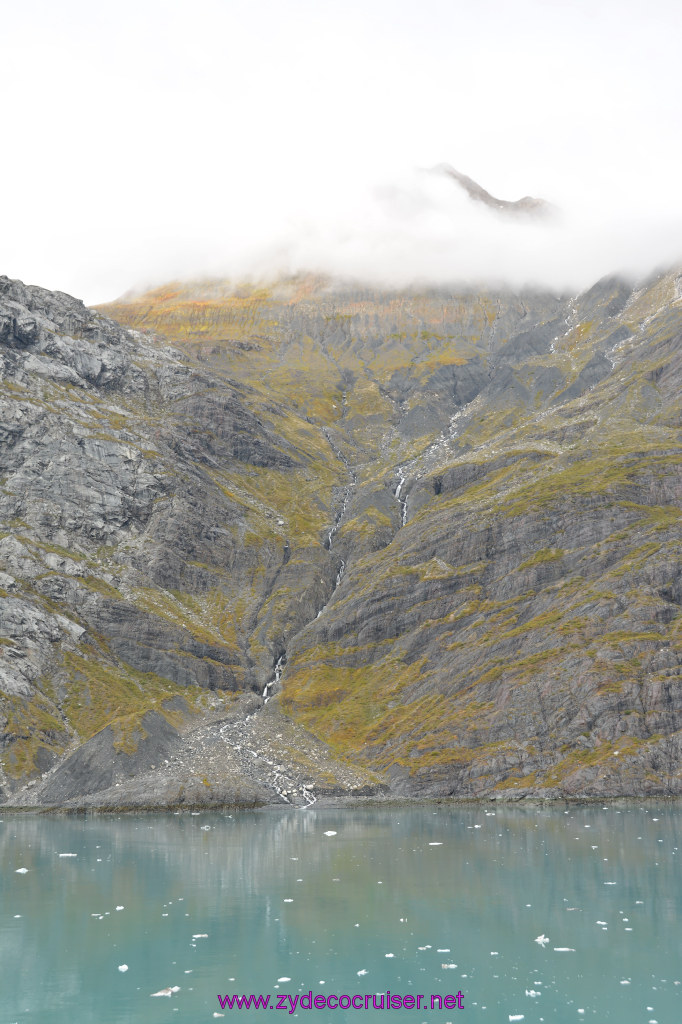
[376, 1001]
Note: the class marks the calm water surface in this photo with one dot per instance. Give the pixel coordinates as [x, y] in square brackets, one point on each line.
[419, 902]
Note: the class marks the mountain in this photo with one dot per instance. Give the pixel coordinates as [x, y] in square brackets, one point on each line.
[440, 526]
[526, 207]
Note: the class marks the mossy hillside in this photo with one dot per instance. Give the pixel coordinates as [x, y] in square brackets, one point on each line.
[208, 617]
[508, 606]
[484, 628]
[32, 725]
[101, 694]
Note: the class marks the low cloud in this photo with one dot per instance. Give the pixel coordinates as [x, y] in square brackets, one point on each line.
[153, 141]
[419, 228]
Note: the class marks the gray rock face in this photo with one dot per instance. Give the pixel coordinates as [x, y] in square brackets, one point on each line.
[113, 524]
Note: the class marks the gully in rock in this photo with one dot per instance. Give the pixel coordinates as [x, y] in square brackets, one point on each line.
[346, 494]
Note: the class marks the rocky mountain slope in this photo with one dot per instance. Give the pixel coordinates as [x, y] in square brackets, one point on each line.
[441, 527]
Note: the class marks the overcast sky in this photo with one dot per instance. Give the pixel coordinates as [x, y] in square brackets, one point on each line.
[145, 140]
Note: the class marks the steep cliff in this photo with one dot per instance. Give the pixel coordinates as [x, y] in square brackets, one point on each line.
[443, 527]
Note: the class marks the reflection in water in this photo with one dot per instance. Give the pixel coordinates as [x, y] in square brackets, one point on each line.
[392, 900]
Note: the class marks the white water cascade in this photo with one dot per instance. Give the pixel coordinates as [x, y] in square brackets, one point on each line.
[402, 501]
[276, 678]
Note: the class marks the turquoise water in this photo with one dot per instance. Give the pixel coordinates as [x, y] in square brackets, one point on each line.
[219, 904]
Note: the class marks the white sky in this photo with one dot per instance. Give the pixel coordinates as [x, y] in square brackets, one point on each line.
[149, 140]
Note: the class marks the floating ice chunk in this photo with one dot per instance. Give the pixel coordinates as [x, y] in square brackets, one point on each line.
[284, 979]
[288, 901]
[542, 940]
[389, 956]
[493, 952]
[202, 936]
[442, 951]
[563, 949]
[515, 1016]
[17, 916]
[119, 907]
[68, 854]
[361, 973]
[625, 981]
[448, 967]
[166, 991]
[533, 993]
[600, 922]
[216, 1014]
[205, 828]
[123, 968]
[21, 871]
[330, 833]
[610, 883]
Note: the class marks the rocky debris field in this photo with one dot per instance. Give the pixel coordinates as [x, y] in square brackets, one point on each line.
[245, 754]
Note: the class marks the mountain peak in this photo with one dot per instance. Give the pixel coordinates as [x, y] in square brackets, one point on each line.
[528, 206]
